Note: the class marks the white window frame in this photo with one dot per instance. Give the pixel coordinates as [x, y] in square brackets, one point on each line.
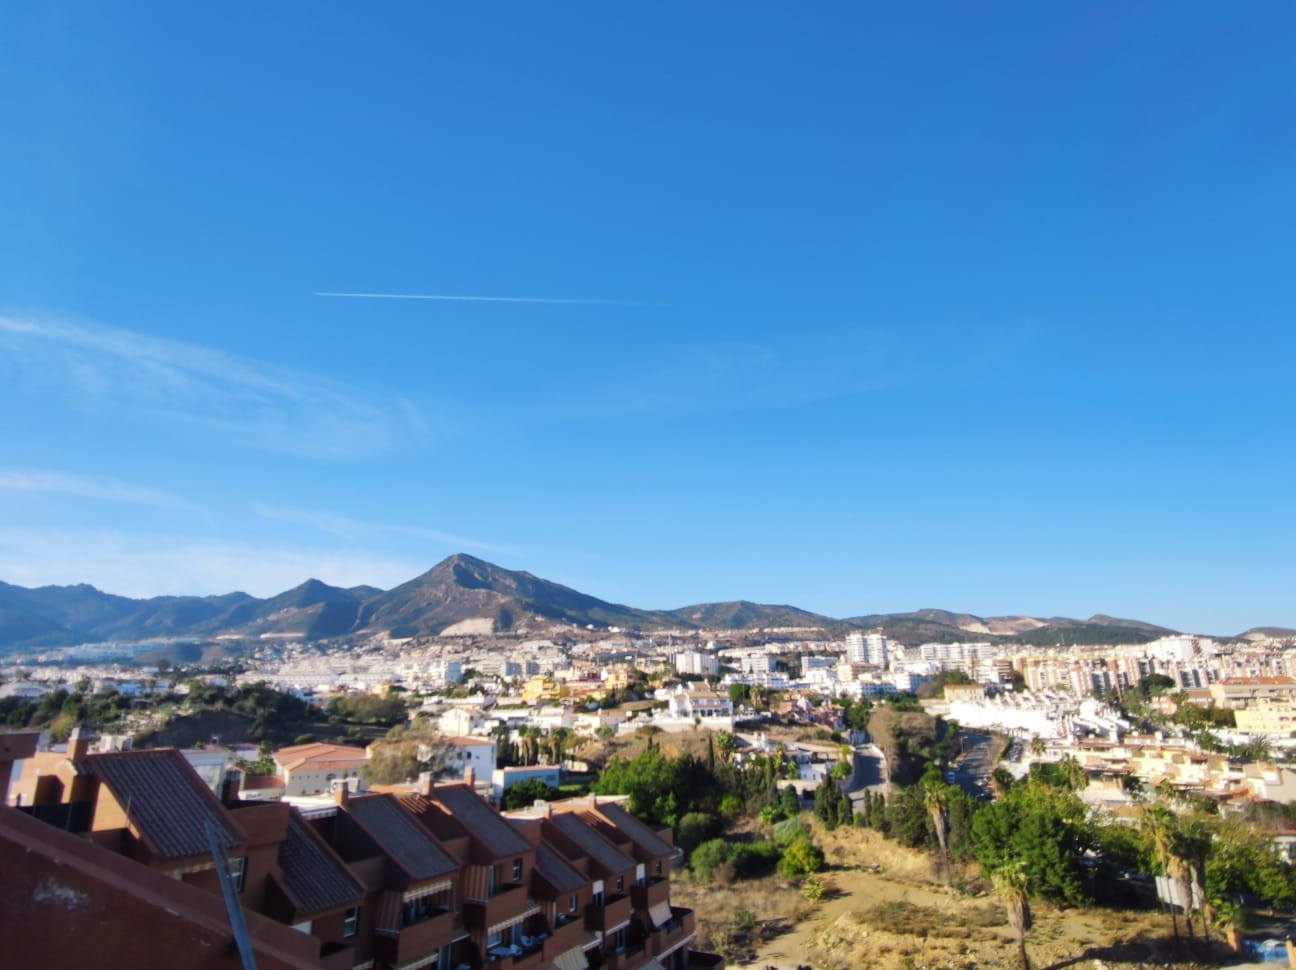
[351, 922]
[238, 873]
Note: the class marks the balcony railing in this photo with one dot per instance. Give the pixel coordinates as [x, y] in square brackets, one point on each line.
[563, 938]
[337, 956]
[420, 939]
[680, 928]
[614, 913]
[508, 902]
[652, 892]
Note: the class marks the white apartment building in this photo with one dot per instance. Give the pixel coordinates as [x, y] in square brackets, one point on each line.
[697, 664]
[867, 648]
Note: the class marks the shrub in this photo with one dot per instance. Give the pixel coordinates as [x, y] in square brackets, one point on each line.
[813, 889]
[800, 859]
[788, 831]
[693, 829]
[751, 861]
[710, 856]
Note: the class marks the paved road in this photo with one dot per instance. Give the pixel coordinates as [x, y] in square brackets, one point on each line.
[972, 768]
[869, 774]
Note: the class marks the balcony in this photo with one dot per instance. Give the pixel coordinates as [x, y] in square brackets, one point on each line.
[652, 892]
[634, 958]
[528, 958]
[705, 961]
[507, 903]
[679, 929]
[337, 956]
[565, 937]
[416, 940]
[616, 912]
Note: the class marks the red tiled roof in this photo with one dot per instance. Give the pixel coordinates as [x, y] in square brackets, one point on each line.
[318, 753]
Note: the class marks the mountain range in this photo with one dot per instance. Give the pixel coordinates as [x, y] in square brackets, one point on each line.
[463, 594]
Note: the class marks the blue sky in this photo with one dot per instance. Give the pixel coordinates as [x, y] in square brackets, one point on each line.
[861, 308]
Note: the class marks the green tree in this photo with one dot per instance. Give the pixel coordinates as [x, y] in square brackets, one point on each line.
[1044, 828]
[526, 793]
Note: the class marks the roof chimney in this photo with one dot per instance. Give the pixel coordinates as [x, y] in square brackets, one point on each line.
[470, 777]
[426, 784]
[341, 794]
[231, 787]
[78, 745]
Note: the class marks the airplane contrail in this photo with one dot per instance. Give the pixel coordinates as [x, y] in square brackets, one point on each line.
[455, 298]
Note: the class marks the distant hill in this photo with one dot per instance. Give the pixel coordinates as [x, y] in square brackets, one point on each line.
[464, 592]
[742, 615]
[463, 587]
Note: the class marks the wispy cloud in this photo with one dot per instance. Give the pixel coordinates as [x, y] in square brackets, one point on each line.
[456, 298]
[354, 530]
[49, 482]
[272, 407]
[148, 565]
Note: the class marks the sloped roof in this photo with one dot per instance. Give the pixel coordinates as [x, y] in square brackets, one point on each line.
[599, 849]
[635, 830]
[318, 754]
[497, 836]
[312, 873]
[557, 871]
[166, 800]
[400, 836]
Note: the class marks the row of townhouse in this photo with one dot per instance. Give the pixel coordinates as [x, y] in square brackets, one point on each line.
[436, 880]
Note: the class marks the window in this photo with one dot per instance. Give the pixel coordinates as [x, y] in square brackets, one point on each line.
[571, 906]
[659, 867]
[619, 939]
[495, 939]
[517, 870]
[598, 897]
[351, 922]
[237, 870]
[620, 884]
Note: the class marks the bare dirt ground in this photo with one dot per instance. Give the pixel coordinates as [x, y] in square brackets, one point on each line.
[894, 911]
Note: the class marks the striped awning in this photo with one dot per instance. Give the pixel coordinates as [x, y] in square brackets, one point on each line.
[660, 914]
[431, 889]
[513, 920]
[573, 959]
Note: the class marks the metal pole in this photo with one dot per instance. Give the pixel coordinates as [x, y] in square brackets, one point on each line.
[237, 923]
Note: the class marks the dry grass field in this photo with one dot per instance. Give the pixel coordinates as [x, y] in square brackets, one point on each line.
[888, 908]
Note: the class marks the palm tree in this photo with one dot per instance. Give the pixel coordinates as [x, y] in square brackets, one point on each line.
[936, 801]
[1158, 827]
[1011, 884]
[1193, 847]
